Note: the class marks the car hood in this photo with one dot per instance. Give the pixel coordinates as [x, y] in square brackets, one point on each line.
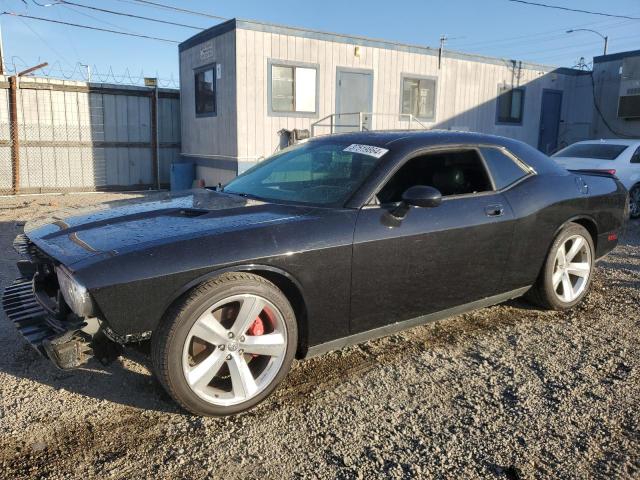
[118, 227]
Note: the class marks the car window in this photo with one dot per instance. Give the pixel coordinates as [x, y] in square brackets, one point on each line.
[503, 168]
[313, 166]
[317, 173]
[455, 172]
[636, 156]
[601, 151]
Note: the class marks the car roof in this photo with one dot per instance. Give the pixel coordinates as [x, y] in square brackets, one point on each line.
[404, 140]
[384, 138]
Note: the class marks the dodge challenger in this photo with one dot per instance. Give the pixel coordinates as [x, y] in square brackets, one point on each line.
[332, 242]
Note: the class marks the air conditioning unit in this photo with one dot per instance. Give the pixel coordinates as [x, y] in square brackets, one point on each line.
[629, 97]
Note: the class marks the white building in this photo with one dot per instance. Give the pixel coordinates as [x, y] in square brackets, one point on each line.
[243, 81]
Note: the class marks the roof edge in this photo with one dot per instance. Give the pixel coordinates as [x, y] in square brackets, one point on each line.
[208, 34]
[616, 56]
[260, 26]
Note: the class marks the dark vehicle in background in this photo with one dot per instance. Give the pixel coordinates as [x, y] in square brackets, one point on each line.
[332, 242]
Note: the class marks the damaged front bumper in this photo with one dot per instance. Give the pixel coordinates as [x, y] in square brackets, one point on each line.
[66, 339]
[62, 342]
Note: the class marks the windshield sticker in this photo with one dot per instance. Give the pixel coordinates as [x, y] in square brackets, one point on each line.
[370, 150]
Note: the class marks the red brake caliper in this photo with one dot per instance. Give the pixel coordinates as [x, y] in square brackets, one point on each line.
[256, 328]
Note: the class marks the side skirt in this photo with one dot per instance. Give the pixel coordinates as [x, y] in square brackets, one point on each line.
[413, 322]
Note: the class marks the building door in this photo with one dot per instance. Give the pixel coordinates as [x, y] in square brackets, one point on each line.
[354, 100]
[549, 120]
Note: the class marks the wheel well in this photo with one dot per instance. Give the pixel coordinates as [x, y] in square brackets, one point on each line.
[591, 227]
[293, 294]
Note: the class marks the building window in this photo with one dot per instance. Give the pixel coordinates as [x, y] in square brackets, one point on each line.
[205, 87]
[419, 97]
[293, 89]
[510, 104]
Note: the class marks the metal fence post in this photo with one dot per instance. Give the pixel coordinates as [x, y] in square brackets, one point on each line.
[15, 137]
[360, 116]
[155, 157]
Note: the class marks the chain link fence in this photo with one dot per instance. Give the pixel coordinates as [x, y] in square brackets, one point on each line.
[78, 138]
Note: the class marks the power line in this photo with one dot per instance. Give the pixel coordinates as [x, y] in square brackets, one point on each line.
[178, 9]
[574, 46]
[85, 14]
[548, 35]
[557, 7]
[88, 27]
[112, 12]
[47, 44]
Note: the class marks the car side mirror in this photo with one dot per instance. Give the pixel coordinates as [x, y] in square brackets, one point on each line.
[422, 196]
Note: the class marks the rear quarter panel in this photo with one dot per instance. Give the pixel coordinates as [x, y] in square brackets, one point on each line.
[544, 203]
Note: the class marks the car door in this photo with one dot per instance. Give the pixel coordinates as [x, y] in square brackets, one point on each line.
[430, 259]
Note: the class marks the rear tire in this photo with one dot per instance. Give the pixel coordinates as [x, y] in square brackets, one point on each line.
[225, 345]
[565, 278]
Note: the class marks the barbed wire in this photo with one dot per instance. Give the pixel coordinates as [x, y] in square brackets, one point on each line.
[84, 72]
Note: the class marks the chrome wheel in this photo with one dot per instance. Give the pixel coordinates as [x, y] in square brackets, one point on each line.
[634, 202]
[572, 268]
[234, 350]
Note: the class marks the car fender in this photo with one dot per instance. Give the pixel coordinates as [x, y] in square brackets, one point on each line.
[562, 226]
[589, 218]
[249, 267]
[576, 219]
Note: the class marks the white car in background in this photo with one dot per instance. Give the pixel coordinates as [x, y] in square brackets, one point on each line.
[617, 157]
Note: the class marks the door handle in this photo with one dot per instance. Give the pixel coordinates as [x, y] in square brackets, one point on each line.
[496, 210]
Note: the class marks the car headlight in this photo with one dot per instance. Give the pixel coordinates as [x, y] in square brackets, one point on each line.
[74, 293]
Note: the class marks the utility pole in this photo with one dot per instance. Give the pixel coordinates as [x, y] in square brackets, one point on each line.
[443, 41]
[1, 52]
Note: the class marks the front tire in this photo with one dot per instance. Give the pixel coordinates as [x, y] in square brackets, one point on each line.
[225, 345]
[634, 201]
[566, 276]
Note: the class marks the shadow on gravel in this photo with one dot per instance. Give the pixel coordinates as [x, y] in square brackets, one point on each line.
[116, 382]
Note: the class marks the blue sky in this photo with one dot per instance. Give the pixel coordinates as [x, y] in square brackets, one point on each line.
[490, 27]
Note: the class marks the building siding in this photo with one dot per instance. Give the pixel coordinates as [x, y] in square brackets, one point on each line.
[466, 91]
[465, 94]
[607, 77]
[211, 140]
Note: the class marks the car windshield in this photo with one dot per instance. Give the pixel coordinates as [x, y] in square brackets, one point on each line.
[314, 173]
[601, 151]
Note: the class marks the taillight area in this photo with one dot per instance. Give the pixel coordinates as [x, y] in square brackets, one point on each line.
[608, 171]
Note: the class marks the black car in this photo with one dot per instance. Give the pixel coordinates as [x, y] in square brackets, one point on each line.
[327, 243]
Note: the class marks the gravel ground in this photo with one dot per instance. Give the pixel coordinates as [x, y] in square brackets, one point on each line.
[506, 392]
